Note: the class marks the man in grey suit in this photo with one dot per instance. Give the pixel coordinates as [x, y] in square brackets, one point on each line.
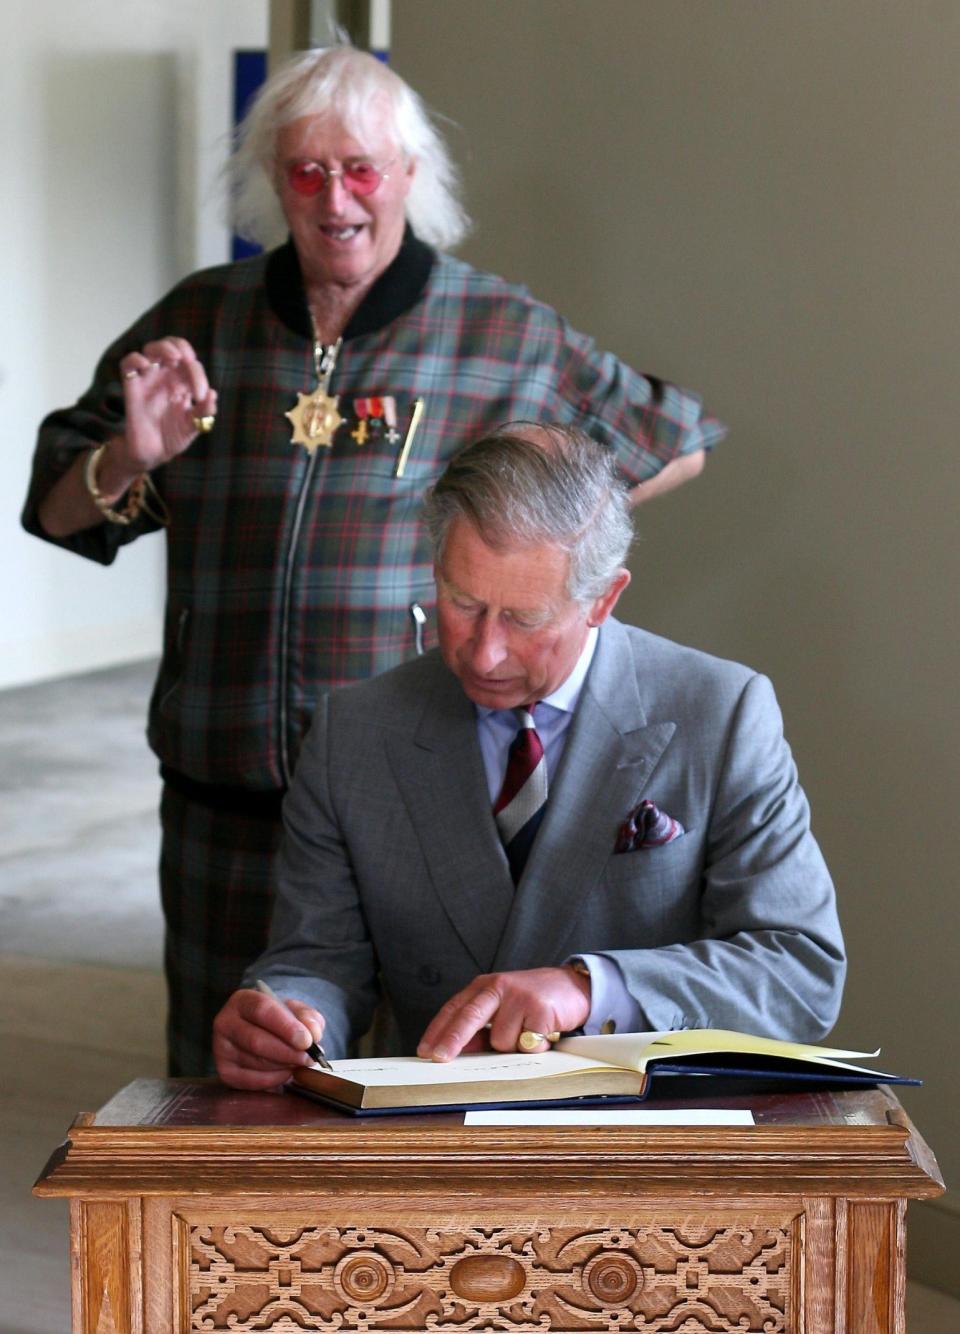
[671, 879]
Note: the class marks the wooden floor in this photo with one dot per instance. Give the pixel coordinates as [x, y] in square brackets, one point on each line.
[81, 998]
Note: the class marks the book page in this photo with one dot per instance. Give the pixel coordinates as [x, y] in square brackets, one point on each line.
[625, 1051]
[633, 1050]
[622, 1049]
[694, 1042]
[410, 1071]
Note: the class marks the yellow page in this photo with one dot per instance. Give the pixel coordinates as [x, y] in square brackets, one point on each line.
[632, 1051]
[693, 1041]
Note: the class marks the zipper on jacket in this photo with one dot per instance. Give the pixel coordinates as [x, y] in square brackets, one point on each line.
[179, 639]
[325, 360]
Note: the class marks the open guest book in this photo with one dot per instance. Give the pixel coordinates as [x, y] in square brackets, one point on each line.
[611, 1067]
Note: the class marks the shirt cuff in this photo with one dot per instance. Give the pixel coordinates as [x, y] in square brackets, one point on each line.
[612, 1008]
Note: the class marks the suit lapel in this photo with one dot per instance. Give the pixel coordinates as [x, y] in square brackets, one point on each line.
[441, 780]
[610, 754]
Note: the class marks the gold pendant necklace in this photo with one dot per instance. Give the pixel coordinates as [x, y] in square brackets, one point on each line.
[315, 418]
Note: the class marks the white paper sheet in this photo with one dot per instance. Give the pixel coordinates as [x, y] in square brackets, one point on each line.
[597, 1116]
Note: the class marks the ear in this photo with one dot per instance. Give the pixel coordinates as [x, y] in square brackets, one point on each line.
[606, 602]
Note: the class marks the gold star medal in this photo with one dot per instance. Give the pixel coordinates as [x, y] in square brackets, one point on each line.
[316, 418]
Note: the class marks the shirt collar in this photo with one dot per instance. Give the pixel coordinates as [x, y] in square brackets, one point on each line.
[567, 693]
[397, 289]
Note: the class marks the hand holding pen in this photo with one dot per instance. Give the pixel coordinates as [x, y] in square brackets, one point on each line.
[259, 1039]
[314, 1051]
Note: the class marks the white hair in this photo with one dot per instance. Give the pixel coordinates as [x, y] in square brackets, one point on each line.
[354, 87]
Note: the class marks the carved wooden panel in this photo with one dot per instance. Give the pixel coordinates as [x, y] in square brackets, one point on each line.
[740, 1275]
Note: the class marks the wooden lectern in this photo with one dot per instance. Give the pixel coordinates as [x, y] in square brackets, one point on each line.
[197, 1208]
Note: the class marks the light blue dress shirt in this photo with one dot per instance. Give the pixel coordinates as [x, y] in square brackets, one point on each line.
[612, 1008]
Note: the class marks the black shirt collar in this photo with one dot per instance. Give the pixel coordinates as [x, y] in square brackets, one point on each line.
[395, 291]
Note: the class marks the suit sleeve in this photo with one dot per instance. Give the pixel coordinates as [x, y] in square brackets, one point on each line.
[770, 958]
[320, 949]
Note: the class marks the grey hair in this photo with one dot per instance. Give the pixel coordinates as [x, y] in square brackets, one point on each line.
[353, 86]
[528, 484]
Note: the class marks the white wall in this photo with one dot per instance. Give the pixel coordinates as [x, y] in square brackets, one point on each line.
[114, 116]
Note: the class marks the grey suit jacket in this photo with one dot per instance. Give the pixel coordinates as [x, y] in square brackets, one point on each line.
[393, 874]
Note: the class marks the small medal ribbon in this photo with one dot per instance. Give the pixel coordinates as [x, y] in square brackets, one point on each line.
[372, 412]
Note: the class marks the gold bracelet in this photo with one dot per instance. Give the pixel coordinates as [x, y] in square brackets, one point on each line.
[135, 491]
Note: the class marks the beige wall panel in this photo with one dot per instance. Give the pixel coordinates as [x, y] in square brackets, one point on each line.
[761, 201]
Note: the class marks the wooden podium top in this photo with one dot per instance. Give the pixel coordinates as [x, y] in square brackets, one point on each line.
[162, 1137]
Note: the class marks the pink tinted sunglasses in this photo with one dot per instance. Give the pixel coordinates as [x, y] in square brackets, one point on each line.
[308, 177]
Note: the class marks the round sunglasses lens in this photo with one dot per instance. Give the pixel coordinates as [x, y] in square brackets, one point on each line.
[362, 178]
[307, 178]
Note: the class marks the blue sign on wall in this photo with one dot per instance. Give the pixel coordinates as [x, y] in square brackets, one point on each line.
[249, 72]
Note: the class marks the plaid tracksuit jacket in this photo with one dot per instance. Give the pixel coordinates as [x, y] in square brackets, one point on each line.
[290, 572]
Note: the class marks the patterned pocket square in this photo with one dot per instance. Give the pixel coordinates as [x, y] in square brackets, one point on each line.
[647, 826]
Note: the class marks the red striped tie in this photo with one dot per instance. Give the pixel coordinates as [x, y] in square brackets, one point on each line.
[523, 798]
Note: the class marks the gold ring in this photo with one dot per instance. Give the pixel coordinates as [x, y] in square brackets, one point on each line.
[203, 423]
[529, 1039]
[130, 375]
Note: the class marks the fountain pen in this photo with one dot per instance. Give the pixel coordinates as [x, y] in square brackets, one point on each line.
[314, 1051]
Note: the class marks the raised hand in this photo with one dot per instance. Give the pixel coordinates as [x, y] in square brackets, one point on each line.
[168, 402]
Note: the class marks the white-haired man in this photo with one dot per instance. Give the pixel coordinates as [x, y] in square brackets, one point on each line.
[284, 416]
[553, 821]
